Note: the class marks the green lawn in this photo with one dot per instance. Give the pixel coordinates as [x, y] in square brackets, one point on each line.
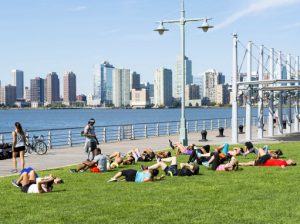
[251, 195]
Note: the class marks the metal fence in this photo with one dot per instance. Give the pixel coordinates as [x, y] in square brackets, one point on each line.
[113, 133]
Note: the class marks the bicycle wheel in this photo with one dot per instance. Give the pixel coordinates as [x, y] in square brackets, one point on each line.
[40, 147]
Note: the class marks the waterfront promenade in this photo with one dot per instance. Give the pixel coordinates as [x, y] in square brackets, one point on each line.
[66, 156]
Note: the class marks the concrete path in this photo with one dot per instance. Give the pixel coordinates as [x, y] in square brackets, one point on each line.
[60, 157]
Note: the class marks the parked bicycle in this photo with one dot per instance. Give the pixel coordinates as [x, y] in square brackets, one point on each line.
[37, 145]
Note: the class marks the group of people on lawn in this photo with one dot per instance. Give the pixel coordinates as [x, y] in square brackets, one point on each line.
[218, 159]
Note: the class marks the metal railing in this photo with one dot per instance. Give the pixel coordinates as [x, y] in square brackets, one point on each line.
[113, 133]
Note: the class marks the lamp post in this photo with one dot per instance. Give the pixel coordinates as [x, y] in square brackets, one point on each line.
[161, 29]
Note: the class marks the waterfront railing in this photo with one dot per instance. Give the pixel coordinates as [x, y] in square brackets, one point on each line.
[63, 137]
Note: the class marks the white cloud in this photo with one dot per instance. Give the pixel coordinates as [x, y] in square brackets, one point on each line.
[77, 9]
[258, 7]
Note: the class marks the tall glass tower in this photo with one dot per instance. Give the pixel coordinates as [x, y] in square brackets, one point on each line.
[103, 82]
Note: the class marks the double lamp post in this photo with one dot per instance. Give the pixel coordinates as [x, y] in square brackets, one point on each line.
[161, 29]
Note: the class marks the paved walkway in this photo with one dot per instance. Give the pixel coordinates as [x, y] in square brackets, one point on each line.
[60, 157]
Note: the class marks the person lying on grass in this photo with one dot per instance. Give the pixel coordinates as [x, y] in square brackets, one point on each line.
[29, 182]
[196, 155]
[272, 162]
[172, 170]
[163, 154]
[180, 149]
[232, 165]
[145, 156]
[217, 157]
[115, 160]
[135, 176]
[249, 148]
[98, 164]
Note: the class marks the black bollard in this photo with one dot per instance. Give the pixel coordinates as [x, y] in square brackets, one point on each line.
[284, 124]
[203, 134]
[241, 127]
[221, 132]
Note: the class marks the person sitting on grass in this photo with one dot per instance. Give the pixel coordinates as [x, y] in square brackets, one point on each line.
[98, 164]
[29, 182]
[135, 176]
[172, 170]
[180, 149]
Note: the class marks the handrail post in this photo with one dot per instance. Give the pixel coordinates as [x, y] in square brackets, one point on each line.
[204, 125]
[49, 140]
[211, 124]
[2, 139]
[225, 123]
[187, 127]
[70, 138]
[177, 127]
[104, 135]
[196, 126]
[146, 131]
[244, 121]
[132, 132]
[157, 129]
[168, 129]
[218, 123]
[119, 133]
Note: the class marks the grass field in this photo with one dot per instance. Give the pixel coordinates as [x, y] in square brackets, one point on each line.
[251, 195]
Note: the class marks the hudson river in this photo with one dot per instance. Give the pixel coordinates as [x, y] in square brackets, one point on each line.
[65, 118]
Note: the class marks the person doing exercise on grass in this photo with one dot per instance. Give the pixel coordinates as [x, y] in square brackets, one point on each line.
[98, 164]
[30, 182]
[135, 176]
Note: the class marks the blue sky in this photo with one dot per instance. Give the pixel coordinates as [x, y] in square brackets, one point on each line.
[39, 36]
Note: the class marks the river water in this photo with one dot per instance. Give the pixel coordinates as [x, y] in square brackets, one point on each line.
[67, 118]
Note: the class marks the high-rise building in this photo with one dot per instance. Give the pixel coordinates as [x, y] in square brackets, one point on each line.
[69, 88]
[37, 90]
[18, 82]
[27, 94]
[222, 94]
[163, 87]
[150, 89]
[139, 98]
[8, 95]
[211, 79]
[103, 82]
[178, 76]
[52, 88]
[192, 92]
[121, 87]
[135, 81]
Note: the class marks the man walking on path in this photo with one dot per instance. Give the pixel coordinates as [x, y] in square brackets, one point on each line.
[91, 140]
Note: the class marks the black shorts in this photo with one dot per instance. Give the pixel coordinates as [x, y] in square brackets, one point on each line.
[25, 187]
[93, 145]
[129, 174]
[262, 160]
[171, 170]
[19, 149]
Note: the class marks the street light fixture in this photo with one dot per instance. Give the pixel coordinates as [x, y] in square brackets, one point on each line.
[161, 29]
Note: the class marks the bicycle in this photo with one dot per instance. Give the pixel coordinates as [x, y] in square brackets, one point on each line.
[37, 145]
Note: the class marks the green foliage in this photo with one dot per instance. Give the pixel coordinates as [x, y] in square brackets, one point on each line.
[251, 195]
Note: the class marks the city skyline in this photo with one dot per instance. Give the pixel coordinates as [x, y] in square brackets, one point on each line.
[82, 34]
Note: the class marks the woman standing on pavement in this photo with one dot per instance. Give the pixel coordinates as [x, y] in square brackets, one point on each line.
[18, 146]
